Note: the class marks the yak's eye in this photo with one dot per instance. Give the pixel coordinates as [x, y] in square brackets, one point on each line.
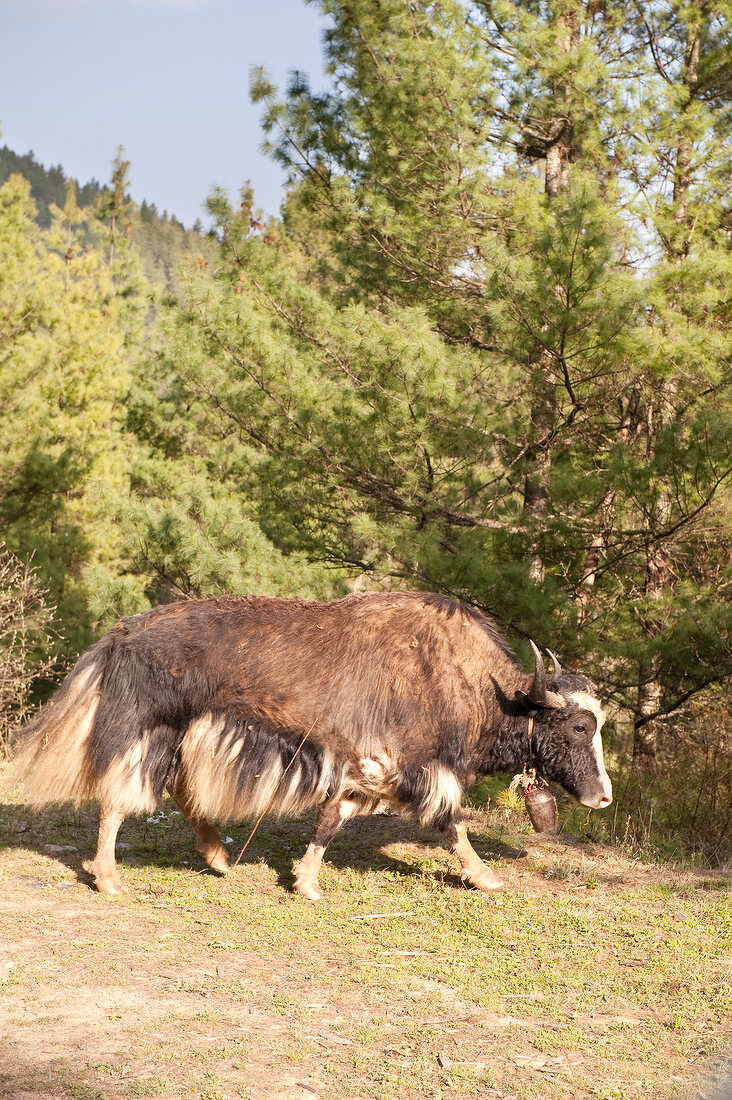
[582, 728]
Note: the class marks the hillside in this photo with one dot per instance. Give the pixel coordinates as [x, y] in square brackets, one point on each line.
[594, 977]
[162, 240]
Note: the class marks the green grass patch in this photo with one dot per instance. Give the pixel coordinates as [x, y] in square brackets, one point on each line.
[593, 975]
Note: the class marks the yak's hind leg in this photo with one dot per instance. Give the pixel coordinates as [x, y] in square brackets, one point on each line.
[472, 867]
[104, 866]
[209, 841]
[330, 818]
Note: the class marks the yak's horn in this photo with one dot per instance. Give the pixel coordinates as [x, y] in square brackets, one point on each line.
[557, 667]
[538, 693]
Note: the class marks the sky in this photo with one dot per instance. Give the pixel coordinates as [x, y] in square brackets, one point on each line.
[166, 79]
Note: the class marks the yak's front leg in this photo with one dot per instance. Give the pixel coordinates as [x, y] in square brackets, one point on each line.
[104, 866]
[330, 818]
[208, 839]
[472, 867]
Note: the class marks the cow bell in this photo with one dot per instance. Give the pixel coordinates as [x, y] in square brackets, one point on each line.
[541, 808]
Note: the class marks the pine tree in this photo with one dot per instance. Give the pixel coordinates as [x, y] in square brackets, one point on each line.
[487, 350]
[604, 438]
[114, 207]
[64, 371]
[685, 167]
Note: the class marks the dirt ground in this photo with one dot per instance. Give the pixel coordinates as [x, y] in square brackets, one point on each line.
[593, 976]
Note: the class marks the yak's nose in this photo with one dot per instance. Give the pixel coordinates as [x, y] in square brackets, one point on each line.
[599, 803]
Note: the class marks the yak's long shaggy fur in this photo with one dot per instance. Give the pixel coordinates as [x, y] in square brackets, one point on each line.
[241, 707]
[219, 695]
[236, 768]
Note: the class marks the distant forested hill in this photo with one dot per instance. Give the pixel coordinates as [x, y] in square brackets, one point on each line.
[162, 240]
[48, 185]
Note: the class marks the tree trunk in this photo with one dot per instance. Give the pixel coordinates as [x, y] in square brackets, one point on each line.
[537, 492]
[558, 155]
[645, 736]
[656, 580]
[649, 699]
[556, 175]
[680, 241]
[593, 557]
[648, 707]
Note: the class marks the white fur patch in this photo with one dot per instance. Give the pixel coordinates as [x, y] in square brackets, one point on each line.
[376, 773]
[607, 787]
[585, 701]
[588, 702]
[349, 808]
[210, 759]
[123, 785]
[445, 793]
[52, 761]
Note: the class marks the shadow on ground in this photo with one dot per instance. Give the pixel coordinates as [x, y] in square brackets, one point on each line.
[164, 840]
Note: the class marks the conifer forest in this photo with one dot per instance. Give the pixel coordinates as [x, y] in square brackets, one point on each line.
[485, 350]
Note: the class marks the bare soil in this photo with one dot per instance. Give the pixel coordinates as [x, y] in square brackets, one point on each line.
[594, 975]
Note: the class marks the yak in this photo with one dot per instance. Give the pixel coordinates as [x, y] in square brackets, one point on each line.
[242, 706]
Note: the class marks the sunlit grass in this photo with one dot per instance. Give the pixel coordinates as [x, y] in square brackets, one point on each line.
[589, 969]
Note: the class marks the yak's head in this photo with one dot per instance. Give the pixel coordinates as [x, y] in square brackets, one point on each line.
[566, 739]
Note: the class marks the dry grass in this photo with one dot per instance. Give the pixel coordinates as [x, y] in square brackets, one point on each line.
[593, 976]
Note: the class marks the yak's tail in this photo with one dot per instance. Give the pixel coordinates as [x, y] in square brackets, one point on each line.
[53, 749]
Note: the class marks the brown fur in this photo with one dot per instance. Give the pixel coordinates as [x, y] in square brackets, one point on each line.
[241, 706]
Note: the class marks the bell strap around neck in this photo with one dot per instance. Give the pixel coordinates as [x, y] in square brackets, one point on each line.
[531, 738]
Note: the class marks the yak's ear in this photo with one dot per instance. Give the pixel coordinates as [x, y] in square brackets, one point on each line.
[529, 706]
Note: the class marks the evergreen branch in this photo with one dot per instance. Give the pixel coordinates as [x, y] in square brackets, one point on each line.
[652, 44]
[636, 539]
[671, 708]
[298, 327]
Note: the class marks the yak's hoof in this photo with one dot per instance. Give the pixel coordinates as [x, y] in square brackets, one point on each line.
[308, 890]
[307, 887]
[216, 856]
[106, 882]
[487, 882]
